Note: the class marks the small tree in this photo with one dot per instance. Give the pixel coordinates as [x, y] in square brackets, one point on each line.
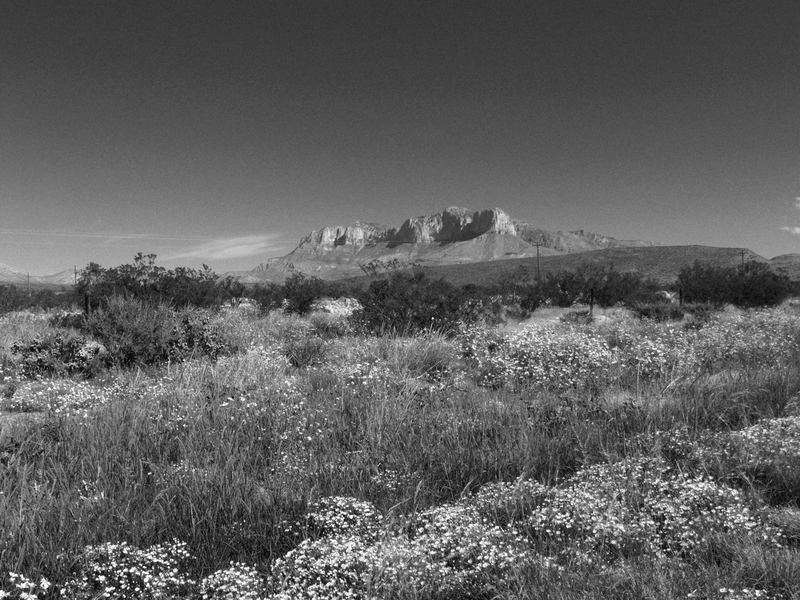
[301, 291]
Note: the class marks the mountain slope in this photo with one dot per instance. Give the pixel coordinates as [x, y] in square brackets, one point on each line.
[662, 263]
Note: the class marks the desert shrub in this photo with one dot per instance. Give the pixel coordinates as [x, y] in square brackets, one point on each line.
[59, 353]
[301, 291]
[147, 282]
[410, 302]
[749, 285]
[562, 289]
[268, 297]
[136, 332]
[202, 332]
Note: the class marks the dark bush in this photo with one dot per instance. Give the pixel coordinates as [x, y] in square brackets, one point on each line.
[147, 282]
[301, 291]
[198, 334]
[757, 285]
[749, 285]
[268, 297]
[136, 332]
[410, 302]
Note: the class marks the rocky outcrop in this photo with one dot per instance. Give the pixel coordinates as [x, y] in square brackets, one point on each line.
[454, 224]
[357, 234]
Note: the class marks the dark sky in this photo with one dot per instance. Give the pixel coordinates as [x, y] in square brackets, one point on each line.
[220, 132]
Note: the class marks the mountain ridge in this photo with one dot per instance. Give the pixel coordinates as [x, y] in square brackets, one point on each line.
[454, 235]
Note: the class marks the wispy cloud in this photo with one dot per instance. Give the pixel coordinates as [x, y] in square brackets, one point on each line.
[108, 236]
[236, 247]
[794, 230]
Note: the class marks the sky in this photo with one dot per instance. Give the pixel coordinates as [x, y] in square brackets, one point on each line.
[222, 132]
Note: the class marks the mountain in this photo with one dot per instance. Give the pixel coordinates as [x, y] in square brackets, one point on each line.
[12, 276]
[454, 236]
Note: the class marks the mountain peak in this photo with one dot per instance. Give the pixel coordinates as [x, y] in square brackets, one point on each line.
[454, 235]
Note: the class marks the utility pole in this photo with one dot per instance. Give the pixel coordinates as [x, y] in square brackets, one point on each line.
[75, 268]
[742, 253]
[538, 265]
[29, 285]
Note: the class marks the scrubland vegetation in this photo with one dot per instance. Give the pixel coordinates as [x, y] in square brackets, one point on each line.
[420, 448]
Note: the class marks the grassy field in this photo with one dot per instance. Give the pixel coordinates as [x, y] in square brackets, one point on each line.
[619, 458]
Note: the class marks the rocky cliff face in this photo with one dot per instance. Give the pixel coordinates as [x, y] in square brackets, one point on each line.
[455, 235]
[454, 224]
[356, 235]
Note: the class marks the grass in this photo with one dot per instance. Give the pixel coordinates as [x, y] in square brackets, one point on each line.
[235, 457]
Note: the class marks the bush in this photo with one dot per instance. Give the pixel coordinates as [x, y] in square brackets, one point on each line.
[145, 281]
[749, 285]
[59, 353]
[136, 332]
[410, 302]
[200, 332]
[301, 291]
[268, 297]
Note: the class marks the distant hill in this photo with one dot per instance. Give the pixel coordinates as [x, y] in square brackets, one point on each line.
[662, 263]
[12, 276]
[454, 236]
[788, 264]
